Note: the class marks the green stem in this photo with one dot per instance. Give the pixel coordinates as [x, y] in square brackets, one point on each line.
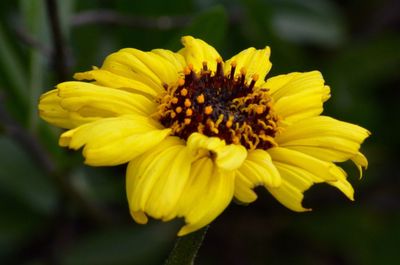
[186, 248]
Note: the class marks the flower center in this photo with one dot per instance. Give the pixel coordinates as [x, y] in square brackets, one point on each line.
[220, 105]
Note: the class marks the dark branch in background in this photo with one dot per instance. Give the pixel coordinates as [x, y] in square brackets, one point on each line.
[39, 154]
[32, 42]
[13, 129]
[59, 54]
[109, 17]
[116, 18]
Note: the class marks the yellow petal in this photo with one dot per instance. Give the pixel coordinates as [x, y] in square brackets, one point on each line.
[177, 60]
[360, 161]
[139, 217]
[114, 141]
[207, 193]
[320, 170]
[259, 169]
[133, 177]
[299, 172]
[197, 51]
[293, 83]
[326, 138]
[227, 157]
[299, 106]
[295, 181]
[157, 178]
[322, 126]
[166, 70]
[96, 101]
[51, 111]
[127, 65]
[244, 188]
[109, 79]
[253, 61]
[342, 184]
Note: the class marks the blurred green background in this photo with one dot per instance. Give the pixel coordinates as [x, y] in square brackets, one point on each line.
[55, 210]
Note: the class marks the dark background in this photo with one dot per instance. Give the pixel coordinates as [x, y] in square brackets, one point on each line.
[55, 210]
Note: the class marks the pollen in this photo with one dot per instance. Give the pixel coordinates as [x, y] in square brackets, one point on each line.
[187, 70]
[208, 110]
[184, 92]
[235, 140]
[181, 81]
[215, 103]
[188, 103]
[259, 109]
[200, 99]
[243, 71]
[174, 100]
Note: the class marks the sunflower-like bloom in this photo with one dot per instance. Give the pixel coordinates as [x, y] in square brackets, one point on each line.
[197, 132]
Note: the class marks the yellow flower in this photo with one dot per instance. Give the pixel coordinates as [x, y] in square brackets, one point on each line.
[198, 132]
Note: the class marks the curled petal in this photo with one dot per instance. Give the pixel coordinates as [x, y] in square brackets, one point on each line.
[257, 170]
[197, 51]
[208, 192]
[293, 83]
[327, 139]
[320, 170]
[298, 95]
[341, 183]
[227, 157]
[299, 172]
[155, 181]
[361, 162]
[51, 111]
[295, 181]
[254, 62]
[109, 79]
[96, 101]
[167, 71]
[114, 141]
[154, 68]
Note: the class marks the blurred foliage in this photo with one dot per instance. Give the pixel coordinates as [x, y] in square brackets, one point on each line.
[57, 211]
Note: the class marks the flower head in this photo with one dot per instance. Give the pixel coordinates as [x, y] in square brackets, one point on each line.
[197, 132]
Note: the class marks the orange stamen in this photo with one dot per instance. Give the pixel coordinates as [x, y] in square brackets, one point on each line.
[174, 100]
[184, 92]
[200, 99]
[187, 103]
[208, 110]
[181, 81]
[260, 109]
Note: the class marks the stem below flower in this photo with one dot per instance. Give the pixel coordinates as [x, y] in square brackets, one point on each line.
[186, 248]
